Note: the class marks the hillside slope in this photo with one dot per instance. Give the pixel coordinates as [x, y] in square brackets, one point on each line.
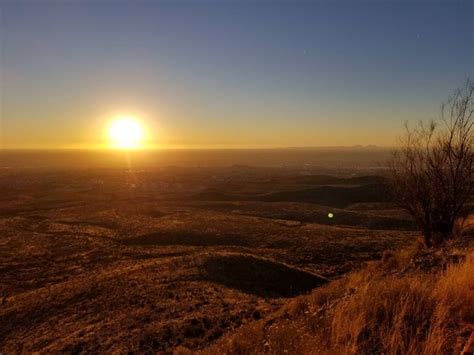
[412, 302]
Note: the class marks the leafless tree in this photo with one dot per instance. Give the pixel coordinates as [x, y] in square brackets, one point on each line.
[431, 174]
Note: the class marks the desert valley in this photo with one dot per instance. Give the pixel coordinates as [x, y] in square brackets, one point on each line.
[123, 259]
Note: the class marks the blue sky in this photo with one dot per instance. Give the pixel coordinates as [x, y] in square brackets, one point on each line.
[229, 73]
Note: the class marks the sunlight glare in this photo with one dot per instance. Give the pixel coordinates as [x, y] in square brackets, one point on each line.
[126, 133]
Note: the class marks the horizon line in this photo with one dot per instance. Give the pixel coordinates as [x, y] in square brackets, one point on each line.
[357, 146]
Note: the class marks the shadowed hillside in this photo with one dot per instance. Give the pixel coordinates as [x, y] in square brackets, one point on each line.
[334, 196]
[260, 276]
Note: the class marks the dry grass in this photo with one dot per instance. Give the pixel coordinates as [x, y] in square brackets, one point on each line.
[370, 312]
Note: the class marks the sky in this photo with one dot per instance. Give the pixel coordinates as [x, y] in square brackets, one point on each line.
[228, 74]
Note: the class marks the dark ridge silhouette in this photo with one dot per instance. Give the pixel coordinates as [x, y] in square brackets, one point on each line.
[333, 180]
[259, 276]
[333, 196]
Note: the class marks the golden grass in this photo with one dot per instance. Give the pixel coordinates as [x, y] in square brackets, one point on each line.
[370, 312]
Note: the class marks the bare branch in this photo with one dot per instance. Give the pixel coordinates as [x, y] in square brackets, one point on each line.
[432, 171]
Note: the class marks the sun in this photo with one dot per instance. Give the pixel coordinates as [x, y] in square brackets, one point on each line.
[126, 133]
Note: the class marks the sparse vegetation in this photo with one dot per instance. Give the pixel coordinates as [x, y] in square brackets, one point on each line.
[90, 264]
[432, 174]
[378, 310]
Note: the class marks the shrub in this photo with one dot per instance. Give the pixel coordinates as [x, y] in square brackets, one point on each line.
[431, 174]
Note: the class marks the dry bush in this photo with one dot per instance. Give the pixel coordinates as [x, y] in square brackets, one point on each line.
[369, 313]
[432, 173]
